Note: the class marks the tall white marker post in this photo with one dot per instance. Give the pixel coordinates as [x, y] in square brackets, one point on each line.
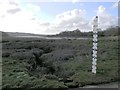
[94, 54]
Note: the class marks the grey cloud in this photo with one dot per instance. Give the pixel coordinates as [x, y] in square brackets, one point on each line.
[13, 11]
[13, 3]
[2, 16]
[45, 24]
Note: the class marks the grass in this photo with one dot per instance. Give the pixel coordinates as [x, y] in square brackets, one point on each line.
[15, 76]
[71, 59]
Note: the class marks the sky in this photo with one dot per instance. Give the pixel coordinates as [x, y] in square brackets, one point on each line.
[55, 16]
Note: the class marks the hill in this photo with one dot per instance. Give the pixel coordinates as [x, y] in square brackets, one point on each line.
[18, 34]
[4, 34]
[111, 31]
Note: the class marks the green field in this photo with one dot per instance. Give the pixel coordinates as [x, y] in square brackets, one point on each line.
[65, 63]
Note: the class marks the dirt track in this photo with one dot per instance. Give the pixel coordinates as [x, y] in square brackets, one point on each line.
[110, 85]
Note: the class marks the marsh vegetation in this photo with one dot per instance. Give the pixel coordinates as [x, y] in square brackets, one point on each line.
[63, 63]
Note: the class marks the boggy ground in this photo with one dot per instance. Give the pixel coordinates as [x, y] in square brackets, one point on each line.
[65, 63]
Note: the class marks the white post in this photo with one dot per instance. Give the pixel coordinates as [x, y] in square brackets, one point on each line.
[94, 54]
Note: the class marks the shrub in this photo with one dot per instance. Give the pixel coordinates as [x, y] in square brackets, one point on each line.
[58, 55]
[5, 54]
[22, 55]
[37, 51]
[64, 73]
[51, 77]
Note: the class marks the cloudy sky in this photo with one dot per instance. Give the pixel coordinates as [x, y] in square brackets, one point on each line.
[51, 17]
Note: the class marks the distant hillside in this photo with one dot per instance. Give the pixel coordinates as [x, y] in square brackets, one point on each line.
[4, 34]
[74, 33]
[112, 31]
[16, 34]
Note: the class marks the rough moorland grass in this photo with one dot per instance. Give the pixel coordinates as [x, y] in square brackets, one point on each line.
[76, 68]
[15, 76]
